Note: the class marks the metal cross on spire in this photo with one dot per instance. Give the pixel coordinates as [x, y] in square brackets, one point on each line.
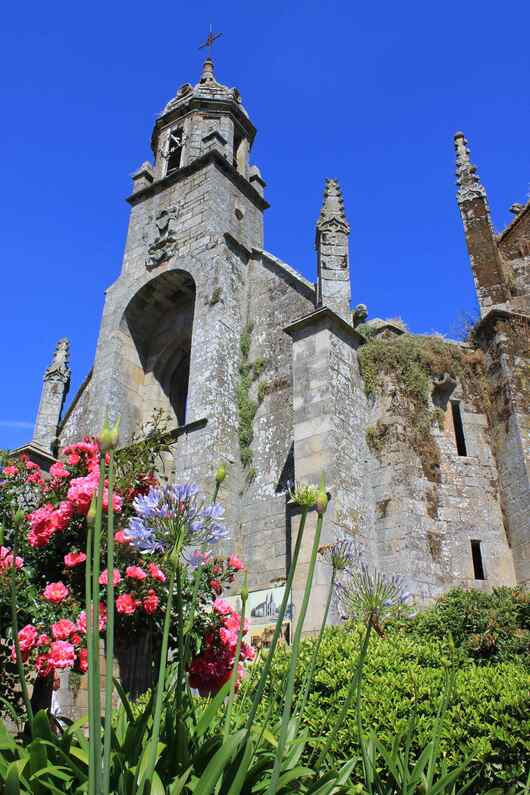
[209, 41]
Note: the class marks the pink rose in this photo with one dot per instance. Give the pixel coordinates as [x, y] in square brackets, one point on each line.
[74, 559]
[228, 637]
[41, 526]
[82, 660]
[10, 471]
[221, 607]
[56, 592]
[233, 622]
[104, 577]
[59, 470]
[6, 560]
[120, 537]
[62, 515]
[156, 572]
[150, 602]
[31, 464]
[63, 629]
[248, 652]
[36, 478]
[43, 665]
[235, 563]
[43, 640]
[126, 604]
[61, 654]
[81, 621]
[135, 573]
[27, 638]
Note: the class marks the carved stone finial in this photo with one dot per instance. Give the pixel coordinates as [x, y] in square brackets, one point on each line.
[469, 185]
[517, 208]
[59, 365]
[359, 314]
[333, 207]
[207, 75]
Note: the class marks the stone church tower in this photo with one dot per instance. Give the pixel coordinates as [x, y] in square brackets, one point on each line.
[260, 368]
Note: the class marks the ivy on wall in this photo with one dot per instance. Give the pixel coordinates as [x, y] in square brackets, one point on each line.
[410, 363]
[249, 373]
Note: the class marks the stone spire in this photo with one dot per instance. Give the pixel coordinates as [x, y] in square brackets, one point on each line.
[332, 245]
[480, 238]
[469, 185]
[207, 75]
[54, 391]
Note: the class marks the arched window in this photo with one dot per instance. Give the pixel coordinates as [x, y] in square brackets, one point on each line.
[159, 322]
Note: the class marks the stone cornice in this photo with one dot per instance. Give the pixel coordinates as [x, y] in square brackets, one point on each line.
[211, 157]
[325, 318]
[487, 323]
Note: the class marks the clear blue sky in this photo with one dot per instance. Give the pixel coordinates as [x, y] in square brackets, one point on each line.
[369, 93]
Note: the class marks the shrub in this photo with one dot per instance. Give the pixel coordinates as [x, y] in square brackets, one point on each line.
[488, 719]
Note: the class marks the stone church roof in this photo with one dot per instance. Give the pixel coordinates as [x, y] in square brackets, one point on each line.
[206, 89]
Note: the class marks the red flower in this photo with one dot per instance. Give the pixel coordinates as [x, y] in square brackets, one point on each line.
[6, 560]
[150, 602]
[104, 577]
[74, 559]
[43, 640]
[82, 660]
[235, 563]
[27, 638]
[135, 573]
[156, 572]
[43, 665]
[126, 604]
[10, 471]
[81, 621]
[216, 586]
[120, 537]
[63, 629]
[222, 607]
[61, 654]
[56, 592]
[58, 470]
[42, 527]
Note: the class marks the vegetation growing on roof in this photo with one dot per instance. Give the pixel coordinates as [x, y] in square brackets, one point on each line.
[409, 364]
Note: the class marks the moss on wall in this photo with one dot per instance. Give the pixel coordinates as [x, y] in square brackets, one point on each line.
[249, 372]
[410, 363]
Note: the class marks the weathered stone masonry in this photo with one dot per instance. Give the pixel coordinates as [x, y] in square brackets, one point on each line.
[199, 305]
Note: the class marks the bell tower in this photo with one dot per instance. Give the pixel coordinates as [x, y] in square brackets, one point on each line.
[172, 322]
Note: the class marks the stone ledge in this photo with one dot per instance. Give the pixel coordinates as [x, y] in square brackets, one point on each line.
[325, 318]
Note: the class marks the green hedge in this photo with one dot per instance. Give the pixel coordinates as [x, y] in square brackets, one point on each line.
[488, 720]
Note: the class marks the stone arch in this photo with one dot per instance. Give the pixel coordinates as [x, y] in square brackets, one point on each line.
[157, 329]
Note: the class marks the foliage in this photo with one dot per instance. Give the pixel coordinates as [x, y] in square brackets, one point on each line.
[487, 720]
[249, 372]
[489, 627]
[410, 363]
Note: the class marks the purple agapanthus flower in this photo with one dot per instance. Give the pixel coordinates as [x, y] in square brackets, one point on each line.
[172, 514]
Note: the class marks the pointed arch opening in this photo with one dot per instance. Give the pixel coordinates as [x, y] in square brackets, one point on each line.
[158, 323]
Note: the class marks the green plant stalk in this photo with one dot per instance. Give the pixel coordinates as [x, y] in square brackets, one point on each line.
[14, 624]
[95, 701]
[161, 678]
[359, 674]
[277, 629]
[88, 617]
[110, 630]
[180, 661]
[300, 707]
[352, 690]
[437, 728]
[289, 692]
[233, 676]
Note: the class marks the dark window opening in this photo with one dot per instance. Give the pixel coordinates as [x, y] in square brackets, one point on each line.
[237, 143]
[174, 152]
[478, 566]
[459, 428]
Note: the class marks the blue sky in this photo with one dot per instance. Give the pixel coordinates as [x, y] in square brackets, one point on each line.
[368, 93]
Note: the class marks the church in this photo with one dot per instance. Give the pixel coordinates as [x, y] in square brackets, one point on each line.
[267, 372]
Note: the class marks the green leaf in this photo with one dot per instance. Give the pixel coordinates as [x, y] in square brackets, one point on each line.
[178, 785]
[12, 786]
[221, 759]
[209, 713]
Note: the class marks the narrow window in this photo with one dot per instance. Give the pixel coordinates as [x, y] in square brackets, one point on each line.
[478, 566]
[174, 152]
[459, 428]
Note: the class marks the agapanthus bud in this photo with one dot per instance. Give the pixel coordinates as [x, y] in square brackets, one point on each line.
[303, 495]
[115, 433]
[220, 474]
[321, 502]
[19, 517]
[244, 589]
[91, 515]
[105, 436]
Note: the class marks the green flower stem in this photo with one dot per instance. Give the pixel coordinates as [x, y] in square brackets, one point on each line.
[300, 707]
[233, 676]
[14, 624]
[293, 660]
[96, 567]
[354, 689]
[161, 681]
[88, 618]
[180, 661]
[110, 631]
[278, 628]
